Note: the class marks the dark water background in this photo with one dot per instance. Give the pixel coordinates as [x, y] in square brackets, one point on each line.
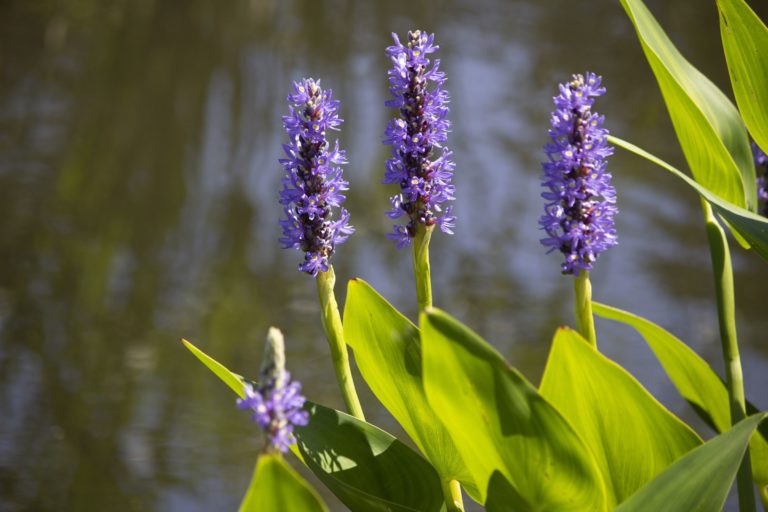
[138, 179]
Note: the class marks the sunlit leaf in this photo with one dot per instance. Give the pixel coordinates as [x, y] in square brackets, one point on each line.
[745, 41]
[694, 379]
[752, 227]
[387, 350]
[632, 436]
[708, 126]
[233, 380]
[503, 426]
[276, 487]
[701, 479]
[365, 467]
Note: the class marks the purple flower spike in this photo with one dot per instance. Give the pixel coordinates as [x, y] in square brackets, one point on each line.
[761, 166]
[313, 183]
[277, 408]
[420, 162]
[581, 202]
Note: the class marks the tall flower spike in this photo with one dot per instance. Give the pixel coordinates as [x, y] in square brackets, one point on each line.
[420, 162]
[761, 167]
[276, 401]
[581, 202]
[313, 183]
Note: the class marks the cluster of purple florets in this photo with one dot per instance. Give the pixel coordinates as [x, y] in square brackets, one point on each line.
[277, 408]
[581, 202]
[761, 167]
[313, 184]
[420, 164]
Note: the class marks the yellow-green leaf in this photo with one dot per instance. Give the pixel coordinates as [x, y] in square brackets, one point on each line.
[708, 126]
[276, 487]
[748, 227]
[510, 437]
[694, 379]
[365, 467]
[387, 350]
[631, 435]
[701, 479]
[233, 380]
[745, 42]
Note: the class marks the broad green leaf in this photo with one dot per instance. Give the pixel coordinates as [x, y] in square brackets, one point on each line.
[276, 487]
[745, 42]
[632, 436]
[502, 425]
[701, 479]
[233, 380]
[691, 375]
[502, 496]
[694, 379]
[365, 467]
[752, 227]
[387, 351]
[711, 133]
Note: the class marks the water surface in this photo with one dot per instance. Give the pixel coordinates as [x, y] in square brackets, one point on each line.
[138, 183]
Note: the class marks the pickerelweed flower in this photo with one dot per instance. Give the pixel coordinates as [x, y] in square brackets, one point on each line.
[420, 164]
[277, 408]
[313, 183]
[581, 202]
[761, 167]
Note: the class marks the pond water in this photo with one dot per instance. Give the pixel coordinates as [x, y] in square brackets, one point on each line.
[138, 183]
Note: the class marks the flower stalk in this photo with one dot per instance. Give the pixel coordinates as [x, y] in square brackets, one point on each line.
[421, 165]
[585, 321]
[421, 269]
[334, 332]
[312, 191]
[453, 499]
[726, 314]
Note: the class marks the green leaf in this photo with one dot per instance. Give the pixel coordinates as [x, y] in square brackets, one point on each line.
[632, 436]
[708, 126]
[502, 495]
[502, 425]
[387, 350]
[233, 380]
[745, 42]
[276, 487]
[691, 375]
[365, 467]
[701, 479]
[694, 379]
[752, 227]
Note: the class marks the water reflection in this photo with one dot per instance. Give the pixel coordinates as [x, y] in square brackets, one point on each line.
[138, 178]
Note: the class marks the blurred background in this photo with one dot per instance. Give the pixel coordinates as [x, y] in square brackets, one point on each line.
[138, 204]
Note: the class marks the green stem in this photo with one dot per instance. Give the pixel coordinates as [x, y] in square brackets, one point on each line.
[453, 499]
[764, 496]
[334, 332]
[421, 273]
[582, 307]
[726, 314]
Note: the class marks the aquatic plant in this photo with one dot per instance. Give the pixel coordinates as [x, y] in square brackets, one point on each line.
[313, 183]
[581, 201]
[590, 437]
[421, 163]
